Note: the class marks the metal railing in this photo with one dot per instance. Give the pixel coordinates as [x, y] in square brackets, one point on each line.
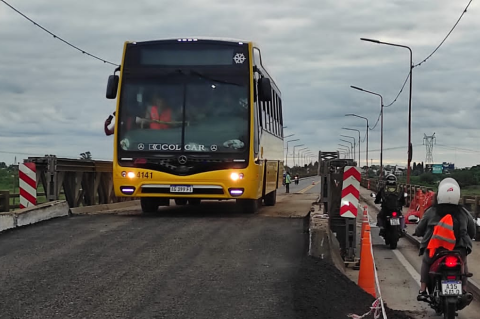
[81, 182]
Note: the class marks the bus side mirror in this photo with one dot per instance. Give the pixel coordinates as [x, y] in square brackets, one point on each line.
[112, 86]
[264, 89]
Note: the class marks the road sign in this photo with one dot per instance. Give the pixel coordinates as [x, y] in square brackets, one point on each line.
[437, 168]
[350, 192]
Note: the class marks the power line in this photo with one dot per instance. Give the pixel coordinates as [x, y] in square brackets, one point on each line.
[454, 26]
[40, 155]
[400, 92]
[451, 148]
[376, 123]
[57, 37]
[424, 60]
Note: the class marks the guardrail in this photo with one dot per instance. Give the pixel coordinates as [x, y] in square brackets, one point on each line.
[6, 200]
[82, 182]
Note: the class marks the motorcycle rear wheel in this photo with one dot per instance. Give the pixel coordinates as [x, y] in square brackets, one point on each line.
[449, 309]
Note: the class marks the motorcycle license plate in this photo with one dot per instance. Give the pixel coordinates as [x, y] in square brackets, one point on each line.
[451, 287]
[394, 221]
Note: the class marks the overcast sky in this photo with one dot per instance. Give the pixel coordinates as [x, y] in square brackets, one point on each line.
[52, 97]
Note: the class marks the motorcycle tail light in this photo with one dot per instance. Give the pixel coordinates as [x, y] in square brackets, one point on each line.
[451, 277]
[451, 261]
[394, 214]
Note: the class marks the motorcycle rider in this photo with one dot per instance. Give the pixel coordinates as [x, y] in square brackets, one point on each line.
[445, 202]
[390, 198]
[296, 179]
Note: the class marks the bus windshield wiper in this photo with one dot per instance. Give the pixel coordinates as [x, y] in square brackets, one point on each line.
[210, 78]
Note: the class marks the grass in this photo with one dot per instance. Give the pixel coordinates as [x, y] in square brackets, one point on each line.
[12, 187]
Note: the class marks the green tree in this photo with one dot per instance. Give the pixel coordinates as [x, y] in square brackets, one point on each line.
[86, 156]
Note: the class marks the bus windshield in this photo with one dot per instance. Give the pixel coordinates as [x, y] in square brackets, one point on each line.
[184, 111]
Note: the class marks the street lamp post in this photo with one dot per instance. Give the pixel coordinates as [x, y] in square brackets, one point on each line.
[294, 153]
[286, 155]
[381, 125]
[354, 142]
[368, 128]
[344, 151]
[351, 148]
[351, 129]
[409, 101]
[348, 149]
[300, 150]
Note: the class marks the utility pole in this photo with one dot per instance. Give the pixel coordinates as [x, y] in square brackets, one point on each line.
[428, 142]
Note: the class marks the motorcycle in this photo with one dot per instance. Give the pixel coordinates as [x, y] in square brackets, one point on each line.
[394, 228]
[445, 288]
[296, 180]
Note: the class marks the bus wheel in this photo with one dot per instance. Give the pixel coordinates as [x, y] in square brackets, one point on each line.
[194, 201]
[270, 199]
[248, 206]
[181, 201]
[149, 205]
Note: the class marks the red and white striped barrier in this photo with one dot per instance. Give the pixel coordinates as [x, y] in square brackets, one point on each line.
[28, 184]
[350, 192]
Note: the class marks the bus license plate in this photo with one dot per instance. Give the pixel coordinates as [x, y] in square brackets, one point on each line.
[181, 189]
[394, 221]
[451, 287]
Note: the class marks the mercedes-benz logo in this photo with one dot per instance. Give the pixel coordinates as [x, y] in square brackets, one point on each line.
[182, 159]
[141, 146]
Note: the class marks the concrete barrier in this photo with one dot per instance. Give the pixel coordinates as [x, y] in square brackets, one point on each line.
[6, 222]
[104, 208]
[33, 215]
[324, 243]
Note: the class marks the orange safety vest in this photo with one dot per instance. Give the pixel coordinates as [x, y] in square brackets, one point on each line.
[165, 116]
[443, 235]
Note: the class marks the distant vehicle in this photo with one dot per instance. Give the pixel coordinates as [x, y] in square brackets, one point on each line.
[196, 119]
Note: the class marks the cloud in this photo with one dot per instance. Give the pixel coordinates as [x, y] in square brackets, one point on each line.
[52, 97]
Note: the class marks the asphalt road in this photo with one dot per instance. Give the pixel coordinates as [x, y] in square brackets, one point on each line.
[184, 262]
[302, 184]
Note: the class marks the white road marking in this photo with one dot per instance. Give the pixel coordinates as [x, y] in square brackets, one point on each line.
[415, 275]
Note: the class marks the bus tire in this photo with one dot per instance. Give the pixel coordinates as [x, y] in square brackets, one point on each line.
[194, 201]
[270, 199]
[149, 205]
[248, 206]
[181, 201]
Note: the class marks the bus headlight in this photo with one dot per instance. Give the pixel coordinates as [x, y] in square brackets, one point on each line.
[236, 176]
[131, 174]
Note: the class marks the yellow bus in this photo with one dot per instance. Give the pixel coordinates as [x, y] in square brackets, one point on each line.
[196, 119]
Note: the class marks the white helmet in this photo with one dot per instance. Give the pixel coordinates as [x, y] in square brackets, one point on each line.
[448, 192]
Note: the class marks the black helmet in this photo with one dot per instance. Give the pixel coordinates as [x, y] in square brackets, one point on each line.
[391, 179]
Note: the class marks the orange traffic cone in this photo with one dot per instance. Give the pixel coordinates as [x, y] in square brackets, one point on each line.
[366, 275]
[364, 221]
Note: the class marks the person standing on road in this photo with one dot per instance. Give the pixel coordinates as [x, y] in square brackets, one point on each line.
[288, 180]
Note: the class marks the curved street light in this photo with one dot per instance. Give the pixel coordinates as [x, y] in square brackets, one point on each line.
[351, 147]
[286, 154]
[352, 129]
[368, 128]
[410, 150]
[294, 153]
[354, 142]
[381, 125]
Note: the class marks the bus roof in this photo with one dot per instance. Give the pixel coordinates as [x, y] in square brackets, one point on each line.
[205, 38]
[209, 38]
